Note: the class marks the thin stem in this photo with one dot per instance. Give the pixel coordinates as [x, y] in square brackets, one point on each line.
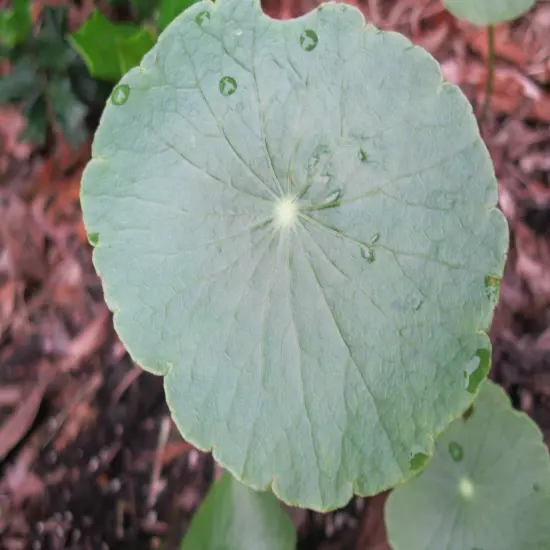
[490, 70]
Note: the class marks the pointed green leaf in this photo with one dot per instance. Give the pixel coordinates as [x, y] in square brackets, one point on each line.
[488, 12]
[234, 517]
[487, 487]
[110, 49]
[170, 9]
[34, 110]
[296, 220]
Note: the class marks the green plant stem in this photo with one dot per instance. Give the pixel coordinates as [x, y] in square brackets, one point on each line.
[491, 71]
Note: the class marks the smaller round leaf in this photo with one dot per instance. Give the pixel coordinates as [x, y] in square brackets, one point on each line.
[487, 487]
[488, 12]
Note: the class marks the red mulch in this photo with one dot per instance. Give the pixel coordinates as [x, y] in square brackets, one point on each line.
[89, 458]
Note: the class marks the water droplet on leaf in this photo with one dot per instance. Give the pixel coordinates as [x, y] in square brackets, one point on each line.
[309, 40]
[202, 17]
[228, 86]
[120, 94]
[368, 254]
[480, 373]
[93, 238]
[456, 451]
[333, 198]
[418, 461]
[375, 238]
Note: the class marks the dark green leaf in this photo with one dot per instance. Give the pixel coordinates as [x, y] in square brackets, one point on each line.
[69, 111]
[110, 49]
[170, 9]
[233, 517]
[20, 82]
[35, 112]
[52, 49]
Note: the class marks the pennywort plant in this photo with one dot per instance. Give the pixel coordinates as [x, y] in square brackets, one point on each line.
[296, 225]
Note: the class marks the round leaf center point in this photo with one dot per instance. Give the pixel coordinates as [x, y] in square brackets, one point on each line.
[286, 212]
[466, 488]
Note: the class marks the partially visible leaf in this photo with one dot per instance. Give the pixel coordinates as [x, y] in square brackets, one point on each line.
[35, 113]
[487, 487]
[234, 517]
[110, 49]
[52, 49]
[20, 82]
[15, 23]
[488, 12]
[130, 50]
[170, 9]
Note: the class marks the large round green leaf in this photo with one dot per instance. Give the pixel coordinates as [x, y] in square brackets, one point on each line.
[487, 488]
[295, 222]
[488, 12]
[234, 517]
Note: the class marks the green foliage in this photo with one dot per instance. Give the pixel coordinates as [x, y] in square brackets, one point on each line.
[488, 12]
[295, 221]
[15, 24]
[170, 9]
[46, 77]
[487, 487]
[234, 517]
[111, 49]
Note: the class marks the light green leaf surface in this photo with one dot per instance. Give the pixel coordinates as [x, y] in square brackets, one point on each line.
[110, 49]
[488, 12]
[233, 517]
[294, 223]
[487, 488]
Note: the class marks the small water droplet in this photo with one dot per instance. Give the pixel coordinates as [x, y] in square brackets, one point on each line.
[480, 373]
[333, 198]
[120, 94]
[228, 86]
[368, 254]
[309, 40]
[93, 238]
[456, 451]
[363, 157]
[202, 17]
[418, 461]
[375, 238]
[238, 33]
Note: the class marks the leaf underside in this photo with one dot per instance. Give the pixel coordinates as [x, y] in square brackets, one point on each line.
[295, 222]
[488, 12]
[487, 487]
